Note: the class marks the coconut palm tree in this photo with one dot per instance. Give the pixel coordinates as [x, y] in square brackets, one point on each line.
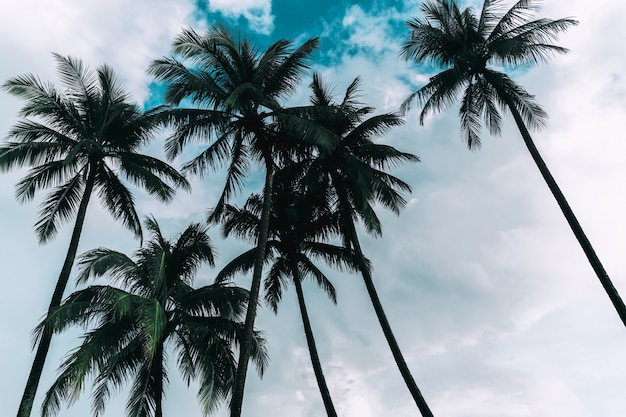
[300, 225]
[355, 172]
[154, 308]
[238, 93]
[77, 141]
[471, 50]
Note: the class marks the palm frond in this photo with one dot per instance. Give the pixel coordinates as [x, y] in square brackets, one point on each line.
[284, 78]
[320, 278]
[110, 87]
[213, 156]
[373, 127]
[96, 263]
[528, 44]
[489, 17]
[81, 363]
[338, 257]
[118, 199]
[44, 101]
[307, 131]
[437, 95]
[192, 249]
[154, 321]
[219, 299]
[510, 93]
[29, 132]
[149, 172]
[240, 264]
[517, 15]
[59, 206]
[276, 280]
[141, 401]
[470, 116]
[243, 223]
[236, 173]
[321, 94]
[45, 175]
[81, 83]
[216, 372]
[122, 364]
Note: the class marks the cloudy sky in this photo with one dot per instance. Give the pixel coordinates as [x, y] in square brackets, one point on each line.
[496, 309]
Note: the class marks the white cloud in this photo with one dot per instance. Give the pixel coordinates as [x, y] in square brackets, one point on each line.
[125, 35]
[257, 12]
[371, 30]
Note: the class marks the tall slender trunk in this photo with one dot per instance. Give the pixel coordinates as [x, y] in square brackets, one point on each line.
[28, 398]
[158, 376]
[617, 301]
[384, 323]
[248, 330]
[310, 340]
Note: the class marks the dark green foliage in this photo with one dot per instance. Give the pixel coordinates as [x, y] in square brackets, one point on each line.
[130, 328]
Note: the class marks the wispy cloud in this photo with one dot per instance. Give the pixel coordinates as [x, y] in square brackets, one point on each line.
[258, 13]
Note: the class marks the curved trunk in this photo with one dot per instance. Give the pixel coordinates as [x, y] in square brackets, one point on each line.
[384, 323]
[617, 301]
[248, 330]
[310, 340]
[28, 398]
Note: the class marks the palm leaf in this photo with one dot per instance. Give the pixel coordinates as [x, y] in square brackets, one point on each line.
[45, 175]
[118, 199]
[59, 206]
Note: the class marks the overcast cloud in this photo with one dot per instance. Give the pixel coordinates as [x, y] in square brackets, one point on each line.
[491, 299]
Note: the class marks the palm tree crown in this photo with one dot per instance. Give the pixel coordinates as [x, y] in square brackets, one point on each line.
[239, 94]
[470, 49]
[155, 307]
[356, 168]
[81, 139]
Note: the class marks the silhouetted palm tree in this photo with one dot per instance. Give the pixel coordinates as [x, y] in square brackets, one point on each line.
[470, 49]
[300, 225]
[355, 172]
[155, 307]
[238, 92]
[77, 141]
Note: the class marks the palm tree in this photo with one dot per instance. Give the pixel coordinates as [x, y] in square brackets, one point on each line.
[355, 172]
[467, 48]
[77, 141]
[300, 223]
[238, 92]
[154, 307]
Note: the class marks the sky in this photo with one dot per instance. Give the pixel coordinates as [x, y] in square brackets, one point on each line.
[491, 299]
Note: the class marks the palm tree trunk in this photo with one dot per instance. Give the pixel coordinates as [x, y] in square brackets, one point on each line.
[158, 394]
[28, 398]
[384, 323]
[617, 301]
[248, 330]
[310, 340]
